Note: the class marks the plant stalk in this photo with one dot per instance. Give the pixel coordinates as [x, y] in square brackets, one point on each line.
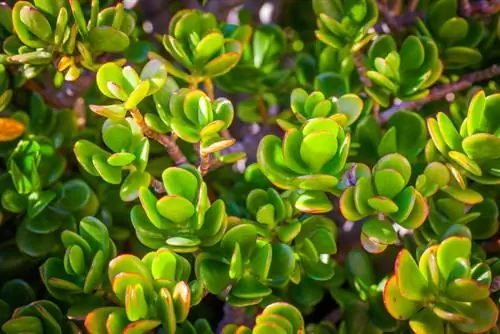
[209, 89]
[157, 186]
[173, 150]
[204, 163]
[440, 92]
[360, 67]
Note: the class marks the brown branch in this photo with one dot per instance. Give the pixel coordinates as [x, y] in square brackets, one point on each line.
[440, 92]
[397, 21]
[360, 67]
[389, 18]
[204, 163]
[261, 104]
[169, 144]
[157, 186]
[79, 110]
[49, 96]
[466, 7]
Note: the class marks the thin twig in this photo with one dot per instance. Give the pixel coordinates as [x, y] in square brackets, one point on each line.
[173, 150]
[389, 18]
[397, 21]
[48, 96]
[440, 92]
[360, 66]
[261, 104]
[466, 8]
[204, 163]
[209, 89]
[79, 110]
[401, 21]
[158, 186]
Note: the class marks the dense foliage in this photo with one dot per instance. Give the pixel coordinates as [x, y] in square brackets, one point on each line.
[336, 170]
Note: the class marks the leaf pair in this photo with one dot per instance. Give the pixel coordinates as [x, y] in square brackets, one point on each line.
[126, 85]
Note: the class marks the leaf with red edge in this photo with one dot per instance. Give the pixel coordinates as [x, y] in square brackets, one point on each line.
[398, 306]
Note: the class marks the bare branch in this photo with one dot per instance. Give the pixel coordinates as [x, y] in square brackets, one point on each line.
[440, 92]
[169, 144]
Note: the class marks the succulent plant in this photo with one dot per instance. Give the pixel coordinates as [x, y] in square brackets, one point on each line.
[331, 72]
[134, 198]
[41, 316]
[258, 69]
[126, 85]
[194, 117]
[310, 159]
[184, 219]
[245, 264]
[385, 191]
[86, 257]
[13, 294]
[43, 30]
[280, 317]
[153, 291]
[195, 41]
[474, 148]
[457, 37]
[130, 151]
[345, 24]
[444, 288]
[406, 73]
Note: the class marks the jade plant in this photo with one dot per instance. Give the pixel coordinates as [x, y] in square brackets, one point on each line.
[216, 166]
[446, 288]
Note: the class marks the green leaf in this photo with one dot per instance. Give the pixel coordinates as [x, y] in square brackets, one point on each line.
[454, 29]
[36, 22]
[388, 182]
[215, 275]
[475, 114]
[182, 301]
[412, 285]
[129, 189]
[175, 208]
[427, 322]
[181, 182]
[314, 202]
[467, 290]
[208, 47]
[484, 314]
[450, 249]
[249, 287]
[383, 204]
[399, 307]
[412, 53]
[222, 64]
[379, 231]
[317, 149]
[155, 73]
[482, 146]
